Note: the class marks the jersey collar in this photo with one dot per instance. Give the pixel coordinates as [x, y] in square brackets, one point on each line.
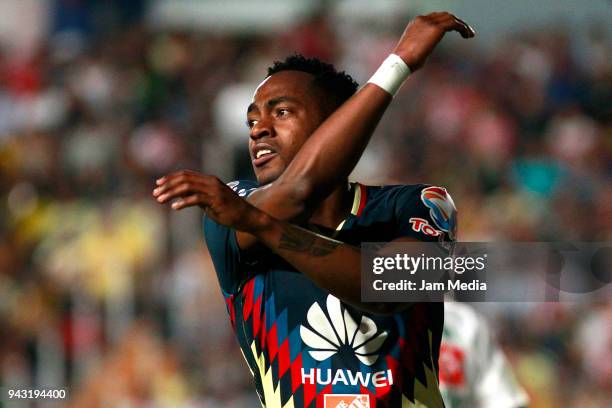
[360, 196]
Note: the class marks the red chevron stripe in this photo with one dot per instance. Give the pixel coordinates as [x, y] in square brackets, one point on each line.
[310, 392]
[272, 343]
[296, 373]
[321, 396]
[394, 366]
[257, 316]
[364, 198]
[264, 333]
[248, 299]
[283, 358]
[229, 302]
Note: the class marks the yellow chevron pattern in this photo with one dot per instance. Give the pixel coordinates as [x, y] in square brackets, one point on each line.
[426, 395]
[271, 393]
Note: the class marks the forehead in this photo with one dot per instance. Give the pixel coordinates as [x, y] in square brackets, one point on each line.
[285, 83]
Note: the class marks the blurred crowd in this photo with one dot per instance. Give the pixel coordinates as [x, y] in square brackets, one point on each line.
[107, 293]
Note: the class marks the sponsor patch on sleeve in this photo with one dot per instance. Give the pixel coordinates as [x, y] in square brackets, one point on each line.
[441, 209]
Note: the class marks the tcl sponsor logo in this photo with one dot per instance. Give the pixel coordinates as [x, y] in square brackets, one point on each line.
[451, 365]
[423, 226]
[346, 401]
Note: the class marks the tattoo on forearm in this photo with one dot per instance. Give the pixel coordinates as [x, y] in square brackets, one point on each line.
[300, 240]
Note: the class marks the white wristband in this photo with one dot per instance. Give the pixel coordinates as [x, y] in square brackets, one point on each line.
[391, 74]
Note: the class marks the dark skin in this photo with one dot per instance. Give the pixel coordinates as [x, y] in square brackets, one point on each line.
[308, 155]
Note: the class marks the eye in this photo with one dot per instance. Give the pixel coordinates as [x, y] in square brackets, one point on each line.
[250, 123]
[282, 112]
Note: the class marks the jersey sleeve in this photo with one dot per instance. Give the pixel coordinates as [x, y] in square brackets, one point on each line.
[223, 246]
[426, 213]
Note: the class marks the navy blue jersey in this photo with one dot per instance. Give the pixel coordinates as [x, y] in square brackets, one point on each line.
[306, 348]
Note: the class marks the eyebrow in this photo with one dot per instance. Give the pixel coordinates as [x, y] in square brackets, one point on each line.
[273, 102]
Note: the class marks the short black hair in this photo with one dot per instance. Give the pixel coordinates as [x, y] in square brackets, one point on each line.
[337, 84]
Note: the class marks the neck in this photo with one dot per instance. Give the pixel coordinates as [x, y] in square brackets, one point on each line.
[335, 208]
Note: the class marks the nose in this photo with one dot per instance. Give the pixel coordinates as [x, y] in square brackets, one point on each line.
[261, 129]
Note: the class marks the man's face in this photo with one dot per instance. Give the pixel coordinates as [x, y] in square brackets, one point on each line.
[286, 109]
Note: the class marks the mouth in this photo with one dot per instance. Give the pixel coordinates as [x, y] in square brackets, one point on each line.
[263, 153]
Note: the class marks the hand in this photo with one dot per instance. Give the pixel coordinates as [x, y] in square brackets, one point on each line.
[424, 32]
[220, 202]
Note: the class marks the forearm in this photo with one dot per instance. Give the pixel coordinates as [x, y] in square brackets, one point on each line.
[326, 158]
[332, 151]
[335, 147]
[330, 264]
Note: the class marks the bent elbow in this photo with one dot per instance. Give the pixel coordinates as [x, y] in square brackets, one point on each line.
[293, 195]
[298, 193]
[306, 189]
[303, 191]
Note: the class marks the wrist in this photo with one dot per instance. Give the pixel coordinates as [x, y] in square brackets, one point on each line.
[391, 74]
[259, 222]
[406, 54]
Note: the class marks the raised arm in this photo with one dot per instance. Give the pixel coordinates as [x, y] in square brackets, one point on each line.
[334, 148]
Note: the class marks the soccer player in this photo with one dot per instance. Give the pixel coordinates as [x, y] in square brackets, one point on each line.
[474, 372]
[286, 248]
